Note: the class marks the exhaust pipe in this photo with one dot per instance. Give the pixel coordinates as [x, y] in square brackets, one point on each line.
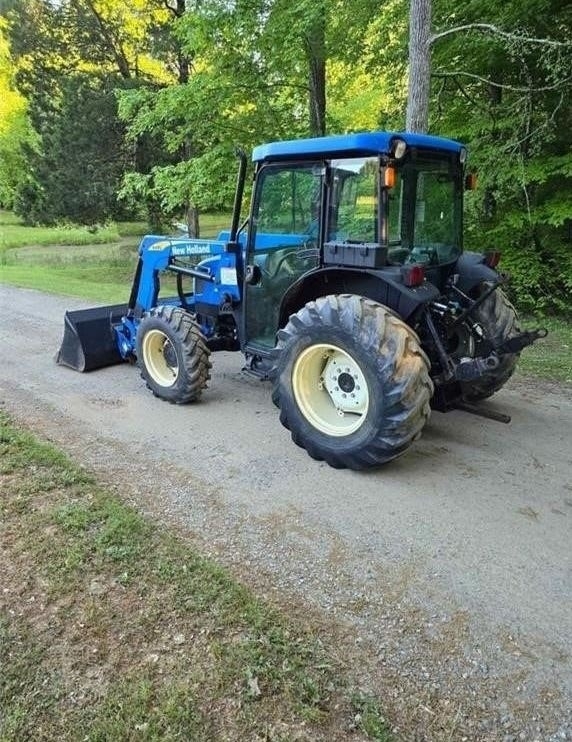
[89, 340]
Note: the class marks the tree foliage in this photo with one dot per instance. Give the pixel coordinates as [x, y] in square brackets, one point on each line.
[195, 78]
[79, 169]
[69, 58]
[505, 87]
[15, 130]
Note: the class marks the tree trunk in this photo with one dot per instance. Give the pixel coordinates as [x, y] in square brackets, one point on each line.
[316, 55]
[182, 59]
[113, 44]
[417, 119]
[191, 210]
[193, 221]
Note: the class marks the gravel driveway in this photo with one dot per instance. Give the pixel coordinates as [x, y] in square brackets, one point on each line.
[446, 574]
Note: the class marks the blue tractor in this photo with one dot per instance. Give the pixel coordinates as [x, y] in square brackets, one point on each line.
[347, 286]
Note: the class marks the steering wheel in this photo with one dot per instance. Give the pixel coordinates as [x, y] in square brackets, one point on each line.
[425, 255]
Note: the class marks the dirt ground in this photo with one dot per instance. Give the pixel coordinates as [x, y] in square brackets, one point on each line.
[448, 571]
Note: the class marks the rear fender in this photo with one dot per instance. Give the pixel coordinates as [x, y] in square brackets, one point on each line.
[384, 286]
[473, 271]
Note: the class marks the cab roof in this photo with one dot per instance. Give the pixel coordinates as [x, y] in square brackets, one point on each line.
[364, 143]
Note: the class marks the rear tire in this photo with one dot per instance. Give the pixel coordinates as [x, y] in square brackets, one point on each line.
[351, 382]
[499, 320]
[173, 355]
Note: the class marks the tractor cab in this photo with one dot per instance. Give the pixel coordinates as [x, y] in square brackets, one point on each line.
[372, 202]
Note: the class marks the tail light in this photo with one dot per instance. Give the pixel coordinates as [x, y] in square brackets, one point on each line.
[492, 258]
[413, 275]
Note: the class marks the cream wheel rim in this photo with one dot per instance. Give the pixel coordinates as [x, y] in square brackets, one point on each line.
[160, 358]
[330, 389]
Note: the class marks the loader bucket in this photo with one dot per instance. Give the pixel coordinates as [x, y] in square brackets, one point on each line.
[89, 340]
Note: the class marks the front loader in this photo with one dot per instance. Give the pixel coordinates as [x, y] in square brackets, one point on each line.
[347, 286]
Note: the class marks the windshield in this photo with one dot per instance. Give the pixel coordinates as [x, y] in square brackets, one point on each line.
[424, 212]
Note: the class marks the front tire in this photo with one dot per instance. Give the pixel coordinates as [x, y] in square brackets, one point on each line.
[498, 319]
[173, 355]
[351, 382]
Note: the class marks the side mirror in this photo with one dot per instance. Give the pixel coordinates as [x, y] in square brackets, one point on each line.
[470, 181]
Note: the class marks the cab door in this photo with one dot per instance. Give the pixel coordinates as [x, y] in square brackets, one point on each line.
[283, 244]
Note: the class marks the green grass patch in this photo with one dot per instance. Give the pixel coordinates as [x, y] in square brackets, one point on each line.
[97, 266]
[370, 719]
[75, 261]
[8, 217]
[113, 628]
[96, 283]
[13, 234]
[549, 358]
[212, 224]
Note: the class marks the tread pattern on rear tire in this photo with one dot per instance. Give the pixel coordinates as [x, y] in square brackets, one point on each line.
[397, 367]
[499, 320]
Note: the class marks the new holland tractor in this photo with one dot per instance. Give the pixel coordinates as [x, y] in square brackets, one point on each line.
[347, 286]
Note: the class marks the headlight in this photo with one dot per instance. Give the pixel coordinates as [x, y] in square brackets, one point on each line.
[398, 148]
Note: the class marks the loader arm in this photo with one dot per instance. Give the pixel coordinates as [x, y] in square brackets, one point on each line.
[103, 336]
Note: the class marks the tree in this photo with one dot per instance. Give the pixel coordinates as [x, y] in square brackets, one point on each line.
[69, 57]
[257, 72]
[235, 92]
[417, 117]
[15, 129]
[506, 92]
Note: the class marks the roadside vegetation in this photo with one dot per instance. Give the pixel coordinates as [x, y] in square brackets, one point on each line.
[111, 627]
[90, 263]
[550, 358]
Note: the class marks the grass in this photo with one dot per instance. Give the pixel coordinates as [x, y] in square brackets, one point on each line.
[549, 358]
[94, 281]
[74, 261]
[14, 234]
[111, 627]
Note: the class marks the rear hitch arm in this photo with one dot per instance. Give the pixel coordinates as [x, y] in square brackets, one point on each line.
[520, 341]
[464, 370]
[447, 363]
[472, 368]
[477, 302]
